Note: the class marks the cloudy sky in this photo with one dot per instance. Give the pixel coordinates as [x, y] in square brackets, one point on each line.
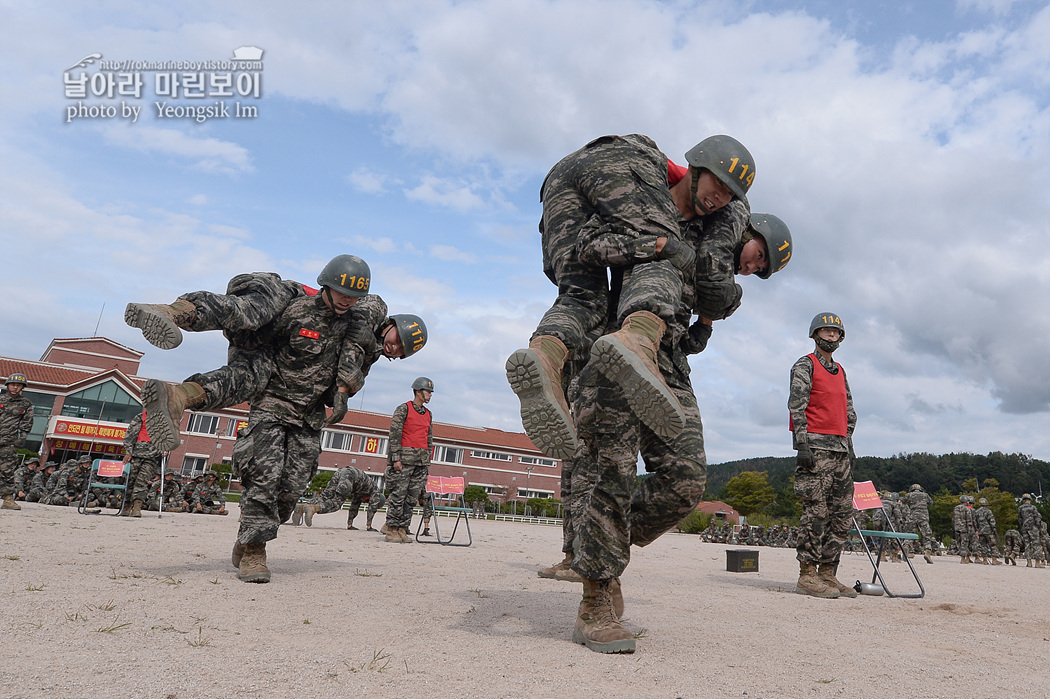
[907, 147]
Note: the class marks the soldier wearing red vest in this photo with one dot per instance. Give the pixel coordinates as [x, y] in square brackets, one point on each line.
[145, 465]
[408, 456]
[822, 422]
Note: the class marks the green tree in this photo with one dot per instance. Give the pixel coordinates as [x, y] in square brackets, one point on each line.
[225, 472]
[695, 522]
[475, 493]
[750, 492]
[320, 481]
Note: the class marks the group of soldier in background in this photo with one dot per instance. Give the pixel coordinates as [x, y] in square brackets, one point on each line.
[721, 532]
[66, 485]
[975, 540]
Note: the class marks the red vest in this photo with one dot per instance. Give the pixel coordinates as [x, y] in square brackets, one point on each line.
[417, 427]
[826, 412]
[143, 434]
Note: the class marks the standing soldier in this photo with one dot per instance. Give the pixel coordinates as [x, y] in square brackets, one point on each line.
[963, 527]
[348, 483]
[986, 534]
[822, 423]
[919, 502]
[145, 465]
[408, 455]
[16, 422]
[1013, 546]
[1028, 520]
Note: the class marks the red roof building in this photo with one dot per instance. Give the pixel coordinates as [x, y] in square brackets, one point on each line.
[720, 510]
[85, 391]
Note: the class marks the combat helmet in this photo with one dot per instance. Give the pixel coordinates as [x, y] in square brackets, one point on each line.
[1026, 496]
[18, 378]
[423, 384]
[727, 159]
[412, 331]
[826, 320]
[915, 488]
[964, 498]
[775, 233]
[982, 501]
[347, 274]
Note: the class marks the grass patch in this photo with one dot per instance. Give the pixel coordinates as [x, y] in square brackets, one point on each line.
[200, 640]
[380, 662]
[478, 592]
[114, 627]
[168, 580]
[106, 607]
[12, 558]
[367, 574]
[34, 588]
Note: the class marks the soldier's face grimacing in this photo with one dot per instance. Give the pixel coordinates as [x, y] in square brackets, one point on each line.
[392, 346]
[339, 303]
[754, 257]
[15, 389]
[713, 195]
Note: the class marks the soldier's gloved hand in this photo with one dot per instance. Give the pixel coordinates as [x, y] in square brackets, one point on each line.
[804, 459]
[678, 254]
[339, 402]
[695, 339]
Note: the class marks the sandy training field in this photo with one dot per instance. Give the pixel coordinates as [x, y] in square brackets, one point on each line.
[95, 604]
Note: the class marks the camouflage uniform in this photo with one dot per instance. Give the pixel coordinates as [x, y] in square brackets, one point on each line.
[145, 461]
[16, 422]
[276, 454]
[826, 490]
[964, 527]
[1013, 544]
[173, 501]
[348, 483]
[919, 503]
[1028, 520]
[415, 466]
[23, 480]
[211, 498]
[38, 488]
[55, 483]
[984, 520]
[69, 486]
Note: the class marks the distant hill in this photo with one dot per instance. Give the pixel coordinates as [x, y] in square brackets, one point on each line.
[1016, 473]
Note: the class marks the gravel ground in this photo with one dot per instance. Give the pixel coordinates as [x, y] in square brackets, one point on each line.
[96, 604]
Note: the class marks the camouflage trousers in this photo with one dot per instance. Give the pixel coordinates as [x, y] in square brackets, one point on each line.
[8, 465]
[570, 215]
[275, 462]
[35, 495]
[143, 471]
[1013, 546]
[1033, 547]
[407, 487]
[610, 512]
[826, 495]
[987, 545]
[964, 542]
[921, 526]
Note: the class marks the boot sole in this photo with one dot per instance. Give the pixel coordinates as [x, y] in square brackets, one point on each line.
[254, 578]
[625, 645]
[646, 393]
[157, 328]
[834, 594]
[546, 423]
[162, 430]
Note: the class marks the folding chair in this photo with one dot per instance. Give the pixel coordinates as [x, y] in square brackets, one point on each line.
[445, 485]
[866, 498]
[104, 468]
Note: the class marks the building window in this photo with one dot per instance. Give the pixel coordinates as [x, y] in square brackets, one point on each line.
[234, 424]
[336, 441]
[106, 401]
[203, 424]
[448, 455]
[372, 445]
[537, 461]
[192, 465]
[523, 493]
[490, 455]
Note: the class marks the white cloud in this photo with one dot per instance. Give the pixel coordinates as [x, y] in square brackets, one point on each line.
[369, 181]
[451, 254]
[452, 194]
[207, 154]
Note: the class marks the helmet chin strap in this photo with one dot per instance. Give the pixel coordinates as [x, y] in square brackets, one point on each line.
[697, 204]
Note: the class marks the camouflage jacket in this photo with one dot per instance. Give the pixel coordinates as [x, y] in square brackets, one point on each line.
[1028, 517]
[962, 519]
[349, 483]
[985, 521]
[397, 425]
[798, 401]
[141, 450]
[208, 493]
[23, 479]
[308, 339]
[368, 319]
[919, 503]
[16, 419]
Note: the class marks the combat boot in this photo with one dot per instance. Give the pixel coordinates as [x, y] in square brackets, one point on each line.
[1039, 563]
[406, 537]
[826, 572]
[297, 515]
[982, 560]
[160, 323]
[810, 583]
[237, 555]
[552, 571]
[535, 376]
[136, 508]
[965, 559]
[9, 503]
[926, 555]
[253, 564]
[308, 514]
[597, 625]
[1029, 564]
[393, 535]
[628, 357]
[996, 561]
[164, 404]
